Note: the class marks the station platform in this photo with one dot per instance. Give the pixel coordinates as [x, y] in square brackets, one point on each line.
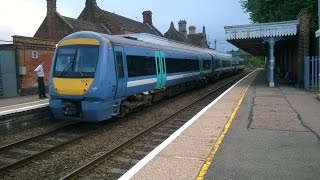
[21, 103]
[251, 131]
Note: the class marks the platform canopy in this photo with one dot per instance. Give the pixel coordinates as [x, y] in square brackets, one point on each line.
[252, 37]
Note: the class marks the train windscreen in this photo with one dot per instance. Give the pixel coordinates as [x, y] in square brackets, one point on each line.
[76, 61]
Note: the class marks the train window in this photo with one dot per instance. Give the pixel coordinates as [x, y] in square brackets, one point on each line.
[76, 61]
[181, 65]
[217, 63]
[64, 57]
[84, 62]
[141, 66]
[226, 63]
[119, 64]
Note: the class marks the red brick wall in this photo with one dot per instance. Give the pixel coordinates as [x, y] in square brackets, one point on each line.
[24, 47]
[59, 29]
[303, 43]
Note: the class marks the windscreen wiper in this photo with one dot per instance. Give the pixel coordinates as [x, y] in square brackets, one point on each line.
[80, 71]
[65, 68]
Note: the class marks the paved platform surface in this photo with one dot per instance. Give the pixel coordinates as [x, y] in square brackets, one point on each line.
[273, 134]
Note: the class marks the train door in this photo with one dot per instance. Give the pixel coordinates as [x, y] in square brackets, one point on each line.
[201, 68]
[160, 69]
[120, 58]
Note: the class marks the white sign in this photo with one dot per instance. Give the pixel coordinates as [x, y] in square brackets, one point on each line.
[34, 54]
[318, 33]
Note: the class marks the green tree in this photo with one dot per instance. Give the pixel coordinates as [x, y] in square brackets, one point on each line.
[262, 11]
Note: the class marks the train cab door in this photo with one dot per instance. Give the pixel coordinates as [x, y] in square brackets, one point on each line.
[161, 69]
[120, 60]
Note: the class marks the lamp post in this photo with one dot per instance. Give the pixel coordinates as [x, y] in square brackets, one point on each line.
[318, 59]
[319, 45]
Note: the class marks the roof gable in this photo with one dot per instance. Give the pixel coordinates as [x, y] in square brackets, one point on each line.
[174, 34]
[128, 25]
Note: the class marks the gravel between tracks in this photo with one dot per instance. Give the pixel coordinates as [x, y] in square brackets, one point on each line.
[14, 136]
[56, 165]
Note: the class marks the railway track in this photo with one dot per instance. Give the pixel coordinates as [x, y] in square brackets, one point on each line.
[104, 162]
[22, 152]
[114, 163]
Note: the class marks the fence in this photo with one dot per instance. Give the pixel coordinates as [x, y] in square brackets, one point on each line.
[312, 73]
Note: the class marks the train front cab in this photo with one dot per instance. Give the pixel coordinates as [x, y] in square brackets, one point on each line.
[83, 83]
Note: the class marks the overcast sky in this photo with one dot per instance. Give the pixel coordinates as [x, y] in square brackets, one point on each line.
[23, 17]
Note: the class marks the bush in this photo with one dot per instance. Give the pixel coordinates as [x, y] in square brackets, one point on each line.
[254, 62]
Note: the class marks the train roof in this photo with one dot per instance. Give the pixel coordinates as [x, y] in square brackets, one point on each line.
[171, 43]
[116, 39]
[148, 41]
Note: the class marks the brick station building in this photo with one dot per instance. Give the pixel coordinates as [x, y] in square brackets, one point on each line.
[27, 52]
[181, 35]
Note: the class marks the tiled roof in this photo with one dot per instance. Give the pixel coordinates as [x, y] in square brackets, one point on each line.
[195, 39]
[130, 25]
[81, 25]
[174, 34]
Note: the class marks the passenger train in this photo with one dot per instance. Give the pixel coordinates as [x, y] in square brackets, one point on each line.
[95, 77]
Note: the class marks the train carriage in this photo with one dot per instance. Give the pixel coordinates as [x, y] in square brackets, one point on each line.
[95, 77]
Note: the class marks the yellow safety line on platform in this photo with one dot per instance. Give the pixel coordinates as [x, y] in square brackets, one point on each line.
[215, 148]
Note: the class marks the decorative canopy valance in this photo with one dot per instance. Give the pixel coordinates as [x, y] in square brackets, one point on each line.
[262, 30]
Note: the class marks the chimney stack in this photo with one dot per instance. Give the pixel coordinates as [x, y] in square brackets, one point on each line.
[51, 7]
[51, 23]
[91, 3]
[192, 29]
[183, 27]
[90, 10]
[204, 42]
[147, 17]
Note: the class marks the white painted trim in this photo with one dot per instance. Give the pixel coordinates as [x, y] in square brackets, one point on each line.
[154, 80]
[262, 30]
[179, 76]
[141, 82]
[2, 113]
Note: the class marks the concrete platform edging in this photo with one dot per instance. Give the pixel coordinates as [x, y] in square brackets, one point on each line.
[22, 107]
